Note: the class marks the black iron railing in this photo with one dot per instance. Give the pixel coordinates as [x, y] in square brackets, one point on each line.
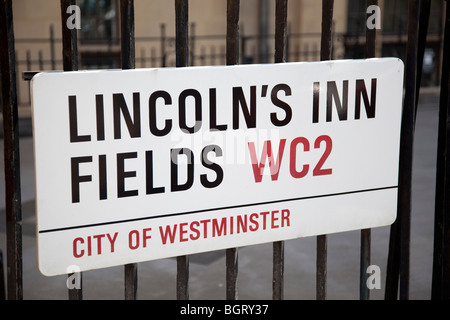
[397, 280]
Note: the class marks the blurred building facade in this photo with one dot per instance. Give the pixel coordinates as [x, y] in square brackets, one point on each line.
[37, 28]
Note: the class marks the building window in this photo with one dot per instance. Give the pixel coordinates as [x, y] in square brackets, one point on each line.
[356, 17]
[435, 22]
[395, 17]
[100, 60]
[99, 21]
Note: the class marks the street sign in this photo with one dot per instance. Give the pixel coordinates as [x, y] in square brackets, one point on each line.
[136, 165]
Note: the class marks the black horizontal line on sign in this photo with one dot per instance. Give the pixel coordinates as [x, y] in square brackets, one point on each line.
[214, 209]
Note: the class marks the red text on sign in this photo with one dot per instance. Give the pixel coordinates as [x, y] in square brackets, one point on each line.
[226, 226]
[275, 163]
[134, 238]
[94, 245]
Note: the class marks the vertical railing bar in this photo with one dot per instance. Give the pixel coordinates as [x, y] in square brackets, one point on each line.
[182, 60]
[398, 273]
[406, 164]
[18, 87]
[278, 271]
[280, 56]
[29, 67]
[371, 34]
[425, 7]
[232, 38]
[183, 277]
[182, 33]
[321, 267]
[128, 61]
[127, 34]
[326, 33]
[280, 31]
[52, 46]
[28, 60]
[70, 44]
[70, 63]
[11, 154]
[130, 281]
[243, 40]
[393, 262]
[364, 292]
[440, 289]
[192, 45]
[231, 256]
[445, 98]
[2, 278]
[232, 57]
[41, 60]
[163, 44]
[321, 240]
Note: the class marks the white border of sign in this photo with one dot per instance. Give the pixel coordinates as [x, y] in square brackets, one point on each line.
[136, 165]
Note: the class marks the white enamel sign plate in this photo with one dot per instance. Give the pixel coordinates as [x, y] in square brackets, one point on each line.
[145, 164]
